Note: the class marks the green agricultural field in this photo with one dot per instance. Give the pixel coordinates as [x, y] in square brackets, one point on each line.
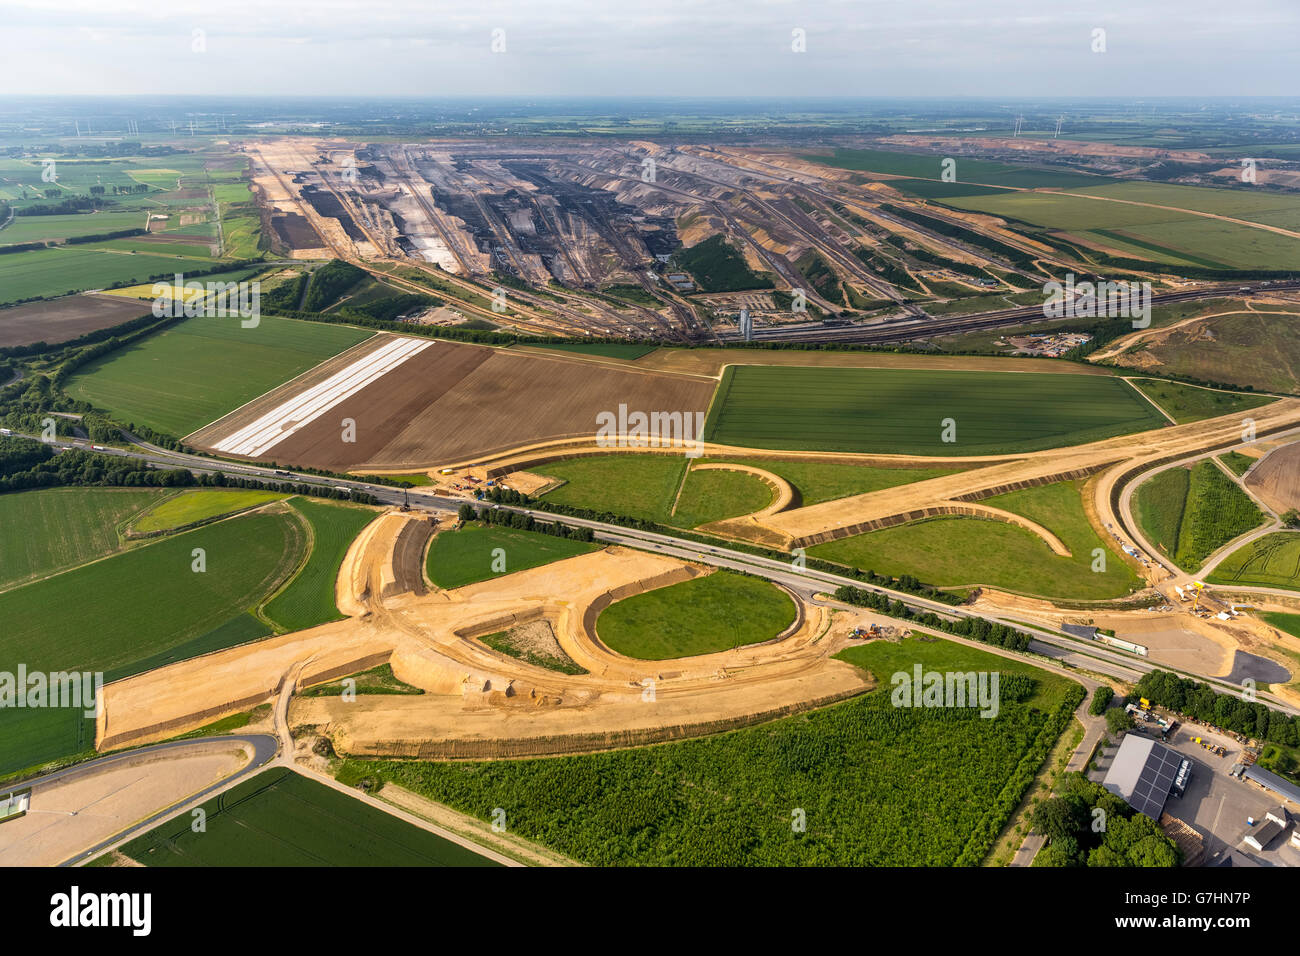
[53, 272]
[617, 350]
[280, 818]
[190, 507]
[308, 599]
[54, 529]
[635, 485]
[1189, 403]
[712, 495]
[52, 228]
[186, 250]
[1184, 233]
[199, 369]
[718, 612]
[968, 552]
[864, 773]
[1281, 209]
[458, 558]
[1212, 512]
[1273, 561]
[141, 609]
[930, 166]
[906, 411]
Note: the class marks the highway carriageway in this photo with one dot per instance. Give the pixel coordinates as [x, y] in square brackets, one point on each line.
[1047, 643]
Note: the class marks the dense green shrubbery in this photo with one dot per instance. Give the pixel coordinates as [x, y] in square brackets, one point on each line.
[1101, 699]
[877, 786]
[1087, 825]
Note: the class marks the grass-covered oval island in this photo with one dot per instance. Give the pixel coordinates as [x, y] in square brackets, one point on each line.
[718, 612]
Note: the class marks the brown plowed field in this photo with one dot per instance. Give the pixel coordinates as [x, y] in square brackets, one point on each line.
[454, 401]
[381, 409]
[1276, 479]
[59, 320]
[514, 399]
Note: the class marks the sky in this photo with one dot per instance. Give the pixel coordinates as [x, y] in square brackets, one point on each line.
[651, 48]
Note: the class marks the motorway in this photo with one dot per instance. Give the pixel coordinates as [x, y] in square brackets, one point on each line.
[1083, 654]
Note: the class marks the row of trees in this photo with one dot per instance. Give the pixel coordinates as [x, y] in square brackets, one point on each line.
[1198, 700]
[28, 464]
[976, 628]
[513, 519]
[1087, 825]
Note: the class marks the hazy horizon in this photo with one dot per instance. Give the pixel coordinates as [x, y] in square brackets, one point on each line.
[709, 48]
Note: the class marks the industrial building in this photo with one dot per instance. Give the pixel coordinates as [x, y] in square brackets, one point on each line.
[1270, 781]
[1144, 772]
[1260, 836]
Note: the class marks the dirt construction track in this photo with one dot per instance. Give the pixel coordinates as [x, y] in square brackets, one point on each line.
[479, 703]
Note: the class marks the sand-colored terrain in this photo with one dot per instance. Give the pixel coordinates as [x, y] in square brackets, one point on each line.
[479, 702]
[81, 808]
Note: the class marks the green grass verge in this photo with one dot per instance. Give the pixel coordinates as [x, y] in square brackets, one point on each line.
[458, 558]
[377, 680]
[712, 495]
[191, 506]
[1237, 463]
[53, 529]
[964, 552]
[608, 349]
[279, 818]
[908, 411]
[1271, 562]
[717, 612]
[1186, 403]
[308, 599]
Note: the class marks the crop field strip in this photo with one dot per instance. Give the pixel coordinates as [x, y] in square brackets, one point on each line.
[1272, 561]
[199, 369]
[1189, 513]
[297, 413]
[151, 608]
[280, 818]
[902, 412]
[308, 598]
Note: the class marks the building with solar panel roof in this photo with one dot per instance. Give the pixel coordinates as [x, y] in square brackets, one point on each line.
[1144, 772]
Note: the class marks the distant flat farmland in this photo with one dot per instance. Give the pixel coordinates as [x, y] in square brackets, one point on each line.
[896, 411]
[58, 320]
[46, 272]
[198, 370]
[447, 402]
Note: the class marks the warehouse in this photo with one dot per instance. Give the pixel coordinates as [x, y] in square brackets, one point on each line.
[1144, 772]
[1271, 781]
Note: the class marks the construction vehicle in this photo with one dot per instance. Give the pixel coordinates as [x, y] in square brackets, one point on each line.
[1196, 598]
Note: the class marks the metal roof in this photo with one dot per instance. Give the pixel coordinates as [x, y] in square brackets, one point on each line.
[1279, 785]
[1143, 773]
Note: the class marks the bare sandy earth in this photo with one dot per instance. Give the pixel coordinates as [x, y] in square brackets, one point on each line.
[480, 701]
[81, 809]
